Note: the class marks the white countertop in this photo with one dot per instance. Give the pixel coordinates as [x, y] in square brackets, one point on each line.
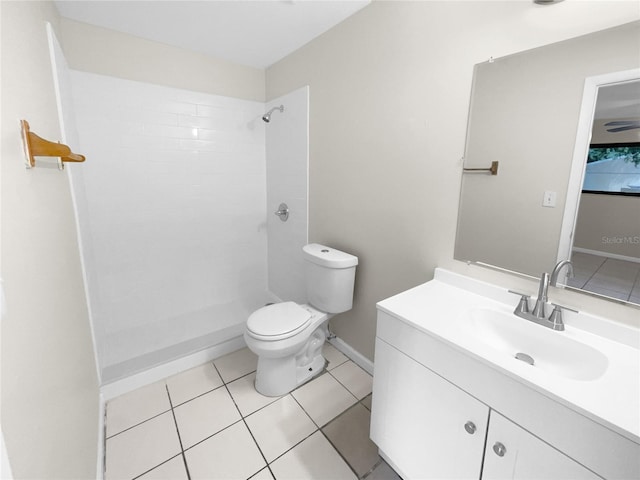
[441, 308]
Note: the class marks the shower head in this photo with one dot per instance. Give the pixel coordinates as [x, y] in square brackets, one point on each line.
[267, 116]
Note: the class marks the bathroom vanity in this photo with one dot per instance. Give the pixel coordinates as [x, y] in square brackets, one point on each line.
[451, 400]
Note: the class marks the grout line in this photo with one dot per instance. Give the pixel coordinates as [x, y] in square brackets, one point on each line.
[338, 450]
[347, 388]
[175, 422]
[212, 435]
[246, 425]
[159, 465]
[197, 396]
[291, 448]
[322, 432]
[361, 402]
[306, 413]
[133, 426]
[373, 469]
[339, 453]
[264, 468]
[636, 283]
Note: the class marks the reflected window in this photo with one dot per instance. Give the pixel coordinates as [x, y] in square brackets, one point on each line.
[613, 168]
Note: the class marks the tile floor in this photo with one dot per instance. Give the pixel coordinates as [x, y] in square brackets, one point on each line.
[210, 423]
[607, 276]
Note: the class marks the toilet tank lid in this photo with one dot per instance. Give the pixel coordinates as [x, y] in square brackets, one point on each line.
[328, 257]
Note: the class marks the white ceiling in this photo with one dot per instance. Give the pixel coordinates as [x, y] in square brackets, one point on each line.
[257, 33]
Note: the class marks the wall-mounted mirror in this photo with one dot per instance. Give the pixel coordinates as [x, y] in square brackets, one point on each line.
[527, 113]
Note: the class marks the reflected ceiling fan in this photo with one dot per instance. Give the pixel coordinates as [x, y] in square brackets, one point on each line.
[622, 125]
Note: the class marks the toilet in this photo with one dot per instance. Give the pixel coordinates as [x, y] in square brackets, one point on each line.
[288, 337]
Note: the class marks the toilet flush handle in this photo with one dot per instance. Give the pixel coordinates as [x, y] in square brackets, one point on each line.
[283, 212]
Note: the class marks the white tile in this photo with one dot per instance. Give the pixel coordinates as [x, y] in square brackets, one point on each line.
[334, 356]
[172, 470]
[279, 426]
[137, 406]
[606, 292]
[244, 393]
[236, 364]
[324, 398]
[231, 454]
[130, 112]
[354, 378]
[194, 382]
[141, 448]
[314, 458]
[203, 416]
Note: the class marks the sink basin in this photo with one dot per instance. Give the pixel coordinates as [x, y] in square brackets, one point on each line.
[551, 351]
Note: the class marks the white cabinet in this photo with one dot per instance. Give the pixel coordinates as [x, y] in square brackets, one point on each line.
[424, 425]
[428, 428]
[434, 372]
[513, 453]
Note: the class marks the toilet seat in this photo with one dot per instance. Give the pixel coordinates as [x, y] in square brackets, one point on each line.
[278, 321]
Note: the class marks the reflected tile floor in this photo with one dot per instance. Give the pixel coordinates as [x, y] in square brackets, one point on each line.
[607, 276]
[210, 423]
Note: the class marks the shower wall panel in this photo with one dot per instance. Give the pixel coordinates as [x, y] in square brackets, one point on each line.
[172, 215]
[287, 140]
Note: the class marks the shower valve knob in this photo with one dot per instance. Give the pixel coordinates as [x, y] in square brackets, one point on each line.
[470, 427]
[283, 212]
[499, 449]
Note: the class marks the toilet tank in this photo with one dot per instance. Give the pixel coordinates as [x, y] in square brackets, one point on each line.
[330, 276]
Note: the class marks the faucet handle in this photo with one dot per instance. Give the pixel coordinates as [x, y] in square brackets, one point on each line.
[523, 304]
[520, 293]
[556, 316]
[564, 308]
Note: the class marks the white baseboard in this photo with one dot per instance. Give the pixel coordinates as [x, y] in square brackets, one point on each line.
[353, 354]
[155, 374]
[128, 384]
[606, 254]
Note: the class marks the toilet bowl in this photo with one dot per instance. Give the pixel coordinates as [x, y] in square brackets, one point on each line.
[288, 337]
[288, 340]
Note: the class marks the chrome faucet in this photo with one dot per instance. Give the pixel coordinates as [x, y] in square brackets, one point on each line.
[538, 310]
[538, 314]
[556, 271]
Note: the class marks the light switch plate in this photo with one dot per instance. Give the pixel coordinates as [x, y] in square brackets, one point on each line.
[549, 199]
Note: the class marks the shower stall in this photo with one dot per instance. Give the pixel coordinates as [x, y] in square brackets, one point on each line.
[175, 227]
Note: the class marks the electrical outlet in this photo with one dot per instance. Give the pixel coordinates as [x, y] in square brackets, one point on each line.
[549, 199]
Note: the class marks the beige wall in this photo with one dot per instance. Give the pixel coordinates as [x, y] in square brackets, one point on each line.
[389, 97]
[99, 50]
[50, 405]
[531, 131]
[604, 222]
[608, 224]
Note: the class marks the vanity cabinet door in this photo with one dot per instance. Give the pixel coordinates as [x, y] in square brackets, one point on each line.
[425, 426]
[514, 453]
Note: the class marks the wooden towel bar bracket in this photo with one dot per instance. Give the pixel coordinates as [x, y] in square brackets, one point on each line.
[34, 146]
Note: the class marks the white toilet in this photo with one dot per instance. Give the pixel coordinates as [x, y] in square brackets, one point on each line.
[287, 337]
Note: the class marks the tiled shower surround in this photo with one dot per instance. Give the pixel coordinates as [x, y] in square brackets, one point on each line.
[171, 206]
